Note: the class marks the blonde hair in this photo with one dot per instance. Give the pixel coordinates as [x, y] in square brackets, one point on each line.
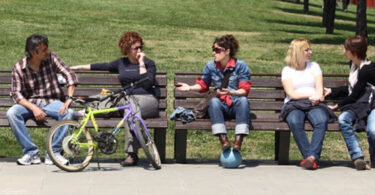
[296, 52]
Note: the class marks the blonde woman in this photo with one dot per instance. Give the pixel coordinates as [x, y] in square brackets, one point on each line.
[303, 84]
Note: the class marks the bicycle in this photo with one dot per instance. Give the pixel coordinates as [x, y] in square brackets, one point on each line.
[78, 145]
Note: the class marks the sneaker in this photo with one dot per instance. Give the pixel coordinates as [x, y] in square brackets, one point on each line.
[47, 160]
[309, 163]
[360, 164]
[28, 159]
[58, 156]
[61, 159]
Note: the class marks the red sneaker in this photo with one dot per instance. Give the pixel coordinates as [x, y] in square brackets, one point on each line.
[309, 163]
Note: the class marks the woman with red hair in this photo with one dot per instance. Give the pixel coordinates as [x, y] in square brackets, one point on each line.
[134, 67]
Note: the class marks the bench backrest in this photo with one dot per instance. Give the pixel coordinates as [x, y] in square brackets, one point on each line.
[91, 83]
[266, 93]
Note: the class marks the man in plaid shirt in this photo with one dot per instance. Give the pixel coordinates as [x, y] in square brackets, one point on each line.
[38, 94]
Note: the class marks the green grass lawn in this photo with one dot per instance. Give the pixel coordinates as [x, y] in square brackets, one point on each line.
[178, 36]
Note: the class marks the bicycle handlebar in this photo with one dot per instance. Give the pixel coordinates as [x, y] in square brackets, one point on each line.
[91, 99]
[137, 83]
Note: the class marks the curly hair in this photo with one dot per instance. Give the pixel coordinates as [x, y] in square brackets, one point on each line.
[228, 42]
[296, 51]
[127, 40]
[357, 46]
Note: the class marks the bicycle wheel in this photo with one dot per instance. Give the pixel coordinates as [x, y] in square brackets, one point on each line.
[147, 143]
[74, 152]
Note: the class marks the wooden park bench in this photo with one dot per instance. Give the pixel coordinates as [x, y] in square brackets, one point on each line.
[266, 99]
[91, 83]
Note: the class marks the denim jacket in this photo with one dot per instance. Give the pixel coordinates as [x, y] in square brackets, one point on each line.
[240, 74]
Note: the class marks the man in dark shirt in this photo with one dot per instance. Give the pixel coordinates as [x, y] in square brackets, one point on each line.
[38, 94]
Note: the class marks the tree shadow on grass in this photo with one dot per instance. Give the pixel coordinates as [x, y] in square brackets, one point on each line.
[295, 31]
[299, 24]
[346, 17]
[337, 39]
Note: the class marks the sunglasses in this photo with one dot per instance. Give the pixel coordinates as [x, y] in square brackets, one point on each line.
[136, 48]
[218, 49]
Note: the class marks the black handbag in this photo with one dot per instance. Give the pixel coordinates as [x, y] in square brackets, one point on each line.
[200, 110]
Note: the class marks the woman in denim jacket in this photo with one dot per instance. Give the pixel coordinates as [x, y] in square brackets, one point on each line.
[232, 101]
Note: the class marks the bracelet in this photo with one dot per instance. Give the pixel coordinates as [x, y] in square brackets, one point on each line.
[69, 97]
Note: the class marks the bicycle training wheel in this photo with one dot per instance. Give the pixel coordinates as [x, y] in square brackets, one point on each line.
[147, 143]
[77, 150]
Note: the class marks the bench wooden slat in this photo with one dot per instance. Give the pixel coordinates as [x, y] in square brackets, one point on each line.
[254, 94]
[205, 124]
[266, 82]
[84, 91]
[7, 102]
[108, 79]
[254, 104]
[103, 123]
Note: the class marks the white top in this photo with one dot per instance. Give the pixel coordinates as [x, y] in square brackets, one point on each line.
[303, 80]
[353, 75]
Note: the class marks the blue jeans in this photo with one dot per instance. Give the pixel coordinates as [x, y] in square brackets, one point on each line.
[319, 120]
[371, 133]
[18, 115]
[240, 110]
[346, 121]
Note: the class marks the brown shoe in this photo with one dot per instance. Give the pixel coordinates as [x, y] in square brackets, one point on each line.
[361, 164]
[131, 160]
[238, 142]
[224, 141]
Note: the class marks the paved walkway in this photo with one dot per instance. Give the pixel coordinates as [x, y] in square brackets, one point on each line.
[255, 177]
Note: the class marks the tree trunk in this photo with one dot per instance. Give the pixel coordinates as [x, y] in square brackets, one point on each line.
[297, 1]
[361, 19]
[306, 6]
[324, 18]
[329, 19]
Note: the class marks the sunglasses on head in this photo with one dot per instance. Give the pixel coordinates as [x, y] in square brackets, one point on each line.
[218, 49]
[136, 48]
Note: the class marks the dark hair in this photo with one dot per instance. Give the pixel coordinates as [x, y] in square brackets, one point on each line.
[357, 46]
[33, 42]
[127, 40]
[228, 42]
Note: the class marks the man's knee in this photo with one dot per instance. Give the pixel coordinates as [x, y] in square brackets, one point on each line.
[69, 115]
[12, 113]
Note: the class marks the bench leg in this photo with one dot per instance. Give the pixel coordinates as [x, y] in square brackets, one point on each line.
[180, 137]
[282, 142]
[160, 142]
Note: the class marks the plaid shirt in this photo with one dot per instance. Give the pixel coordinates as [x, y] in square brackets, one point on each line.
[42, 86]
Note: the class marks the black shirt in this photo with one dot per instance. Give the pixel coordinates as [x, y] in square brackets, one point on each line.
[365, 75]
[129, 73]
